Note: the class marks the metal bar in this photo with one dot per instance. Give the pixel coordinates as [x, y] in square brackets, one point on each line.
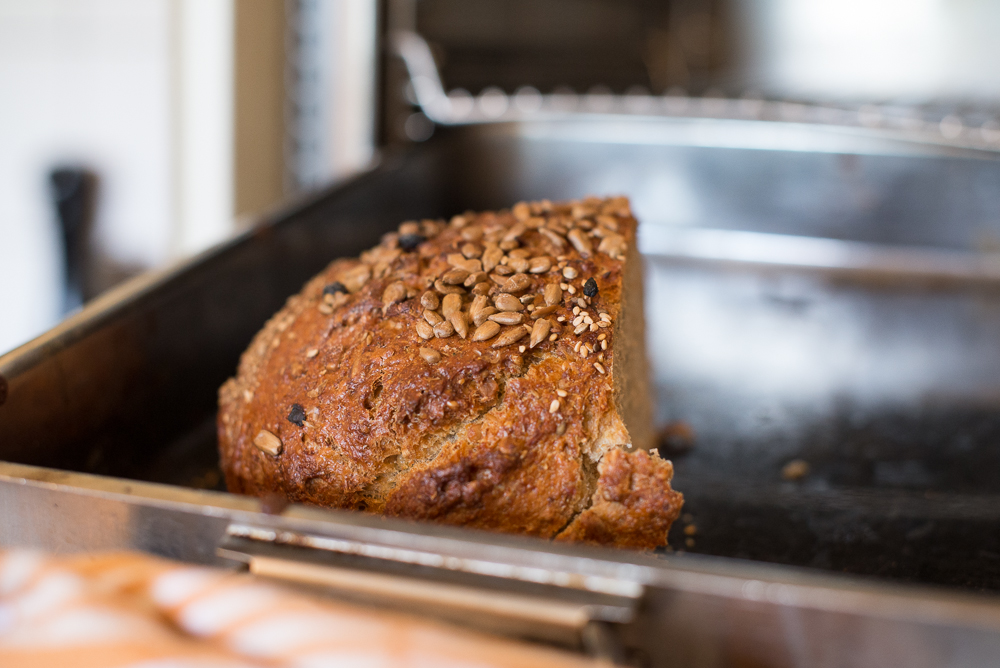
[848, 258]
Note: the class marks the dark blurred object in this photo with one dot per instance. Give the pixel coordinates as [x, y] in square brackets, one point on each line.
[616, 44]
[596, 46]
[73, 192]
[675, 439]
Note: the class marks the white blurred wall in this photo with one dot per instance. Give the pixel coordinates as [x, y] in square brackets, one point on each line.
[81, 82]
[871, 50]
[145, 93]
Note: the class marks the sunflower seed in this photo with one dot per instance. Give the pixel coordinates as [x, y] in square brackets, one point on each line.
[424, 330]
[569, 273]
[430, 355]
[430, 301]
[444, 329]
[393, 294]
[450, 304]
[553, 237]
[432, 317]
[542, 312]
[507, 318]
[539, 332]
[580, 242]
[472, 233]
[482, 315]
[516, 283]
[491, 258]
[554, 406]
[455, 276]
[355, 279]
[511, 335]
[471, 251]
[515, 232]
[460, 323]
[477, 277]
[486, 331]
[552, 294]
[507, 302]
[446, 289]
[458, 261]
[540, 265]
[268, 443]
[519, 264]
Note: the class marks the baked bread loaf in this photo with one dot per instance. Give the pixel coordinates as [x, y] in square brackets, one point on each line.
[488, 372]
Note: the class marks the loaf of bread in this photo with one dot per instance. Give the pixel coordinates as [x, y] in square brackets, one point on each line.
[487, 372]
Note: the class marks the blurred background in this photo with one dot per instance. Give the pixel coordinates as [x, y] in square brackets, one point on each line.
[134, 133]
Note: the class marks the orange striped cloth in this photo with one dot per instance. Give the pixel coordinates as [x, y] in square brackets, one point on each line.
[111, 610]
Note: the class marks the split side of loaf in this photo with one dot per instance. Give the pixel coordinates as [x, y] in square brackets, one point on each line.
[487, 372]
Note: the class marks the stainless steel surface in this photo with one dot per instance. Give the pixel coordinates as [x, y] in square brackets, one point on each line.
[885, 379]
[692, 611]
[947, 124]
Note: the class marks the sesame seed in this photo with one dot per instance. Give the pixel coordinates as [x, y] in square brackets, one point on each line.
[599, 366]
[605, 316]
[570, 289]
[602, 336]
[569, 272]
[604, 345]
[603, 324]
[587, 319]
[521, 349]
[312, 353]
[579, 329]
[561, 393]
[561, 318]
[576, 348]
[564, 286]
[554, 406]
[553, 337]
[593, 327]
[452, 405]
[576, 310]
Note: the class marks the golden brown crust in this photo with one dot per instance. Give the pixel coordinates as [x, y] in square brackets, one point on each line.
[372, 397]
[633, 506]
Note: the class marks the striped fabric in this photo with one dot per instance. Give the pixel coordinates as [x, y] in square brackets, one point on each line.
[111, 610]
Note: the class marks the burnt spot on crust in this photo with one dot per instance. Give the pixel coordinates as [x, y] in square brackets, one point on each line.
[334, 288]
[409, 242]
[297, 415]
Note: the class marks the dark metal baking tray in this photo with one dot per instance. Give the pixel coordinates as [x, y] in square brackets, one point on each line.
[814, 293]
